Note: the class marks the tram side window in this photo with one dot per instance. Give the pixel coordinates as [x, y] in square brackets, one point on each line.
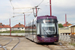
[57, 29]
[34, 29]
[30, 28]
[38, 29]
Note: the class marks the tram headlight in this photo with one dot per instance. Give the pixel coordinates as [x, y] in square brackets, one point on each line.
[55, 36]
[43, 36]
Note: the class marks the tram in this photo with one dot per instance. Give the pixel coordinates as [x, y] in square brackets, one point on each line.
[43, 29]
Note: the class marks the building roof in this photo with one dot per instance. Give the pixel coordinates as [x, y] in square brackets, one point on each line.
[4, 26]
[67, 24]
[18, 26]
[73, 26]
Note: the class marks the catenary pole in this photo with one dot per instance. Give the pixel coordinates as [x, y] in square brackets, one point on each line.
[50, 9]
[36, 11]
[24, 20]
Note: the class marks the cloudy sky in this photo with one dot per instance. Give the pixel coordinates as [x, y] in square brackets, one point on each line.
[59, 9]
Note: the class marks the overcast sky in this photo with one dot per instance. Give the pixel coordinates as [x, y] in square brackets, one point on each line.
[59, 9]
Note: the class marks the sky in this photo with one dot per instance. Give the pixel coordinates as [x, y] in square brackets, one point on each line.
[59, 9]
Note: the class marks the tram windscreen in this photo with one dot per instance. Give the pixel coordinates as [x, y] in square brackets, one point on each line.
[48, 28]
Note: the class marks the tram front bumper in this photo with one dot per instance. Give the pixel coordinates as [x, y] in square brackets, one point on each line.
[48, 39]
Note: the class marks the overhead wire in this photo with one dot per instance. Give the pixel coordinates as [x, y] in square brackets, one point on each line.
[11, 4]
[40, 3]
[28, 10]
[37, 8]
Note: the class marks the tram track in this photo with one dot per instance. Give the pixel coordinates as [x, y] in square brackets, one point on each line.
[47, 45]
[16, 44]
[9, 43]
[57, 46]
[4, 45]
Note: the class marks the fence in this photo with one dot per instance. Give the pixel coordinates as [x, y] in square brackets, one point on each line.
[65, 37]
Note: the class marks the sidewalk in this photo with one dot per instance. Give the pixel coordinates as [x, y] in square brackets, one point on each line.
[28, 45]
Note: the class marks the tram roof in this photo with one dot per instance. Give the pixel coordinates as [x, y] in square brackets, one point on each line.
[43, 17]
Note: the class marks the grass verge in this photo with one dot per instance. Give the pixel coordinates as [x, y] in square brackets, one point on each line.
[13, 31]
[72, 44]
[18, 31]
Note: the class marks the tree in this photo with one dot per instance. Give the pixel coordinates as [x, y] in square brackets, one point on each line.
[60, 25]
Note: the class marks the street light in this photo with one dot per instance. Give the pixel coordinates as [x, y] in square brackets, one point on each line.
[10, 26]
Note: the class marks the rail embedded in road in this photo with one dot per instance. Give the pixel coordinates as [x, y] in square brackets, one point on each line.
[4, 46]
[16, 44]
[6, 42]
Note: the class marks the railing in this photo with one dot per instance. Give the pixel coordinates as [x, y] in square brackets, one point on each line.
[65, 37]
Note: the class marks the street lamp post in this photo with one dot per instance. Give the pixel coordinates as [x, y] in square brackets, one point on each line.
[10, 26]
[24, 20]
[36, 11]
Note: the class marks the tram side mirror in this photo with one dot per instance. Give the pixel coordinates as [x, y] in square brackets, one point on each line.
[33, 25]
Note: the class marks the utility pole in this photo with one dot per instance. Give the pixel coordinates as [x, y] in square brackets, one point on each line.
[10, 26]
[50, 9]
[35, 13]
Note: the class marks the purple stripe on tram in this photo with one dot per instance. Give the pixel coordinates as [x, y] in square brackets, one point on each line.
[49, 39]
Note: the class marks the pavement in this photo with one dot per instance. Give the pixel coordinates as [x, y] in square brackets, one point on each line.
[1, 49]
[53, 47]
[25, 44]
[12, 44]
[28, 45]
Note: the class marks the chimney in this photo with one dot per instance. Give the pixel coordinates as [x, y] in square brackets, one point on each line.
[66, 20]
[19, 24]
[0, 24]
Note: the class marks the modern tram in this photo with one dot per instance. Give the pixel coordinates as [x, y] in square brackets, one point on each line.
[43, 29]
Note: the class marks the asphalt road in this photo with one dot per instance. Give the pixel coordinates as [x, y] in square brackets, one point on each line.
[21, 43]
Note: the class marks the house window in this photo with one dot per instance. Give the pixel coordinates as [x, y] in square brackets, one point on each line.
[22, 27]
[4, 28]
[18, 28]
[0, 28]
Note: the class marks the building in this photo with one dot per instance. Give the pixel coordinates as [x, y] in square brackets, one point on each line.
[4, 27]
[18, 27]
[64, 30]
[73, 34]
[67, 24]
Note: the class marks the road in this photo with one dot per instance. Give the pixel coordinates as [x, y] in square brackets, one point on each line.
[21, 43]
